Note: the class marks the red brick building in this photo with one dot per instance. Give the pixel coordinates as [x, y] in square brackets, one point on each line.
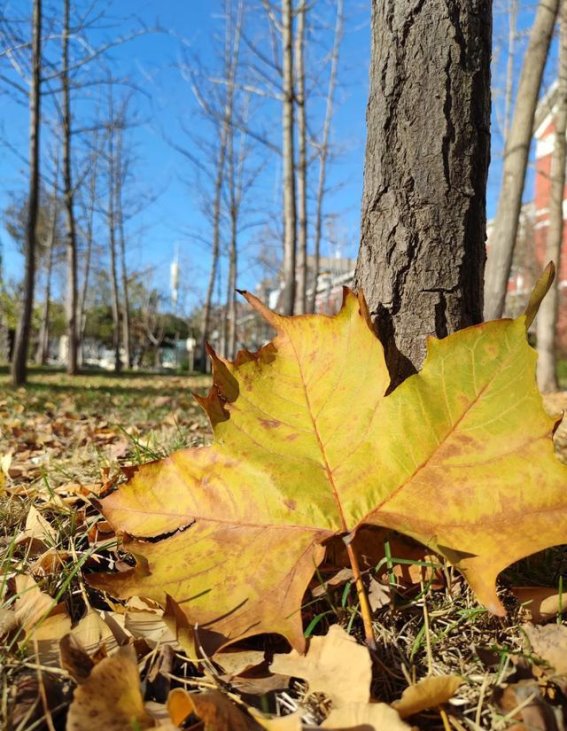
[544, 142]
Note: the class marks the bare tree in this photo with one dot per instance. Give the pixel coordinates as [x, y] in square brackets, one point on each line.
[68, 197]
[221, 116]
[323, 147]
[234, 181]
[112, 182]
[288, 152]
[90, 205]
[43, 339]
[301, 171]
[422, 248]
[243, 170]
[546, 323]
[18, 366]
[121, 175]
[49, 241]
[518, 141]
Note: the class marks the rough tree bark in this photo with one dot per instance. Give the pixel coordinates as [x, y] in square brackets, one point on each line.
[323, 153]
[18, 365]
[68, 197]
[505, 229]
[422, 249]
[301, 299]
[289, 192]
[546, 323]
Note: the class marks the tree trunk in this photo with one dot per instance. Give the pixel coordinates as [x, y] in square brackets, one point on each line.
[302, 159]
[422, 249]
[126, 337]
[216, 248]
[111, 218]
[230, 326]
[68, 195]
[503, 237]
[324, 153]
[546, 322]
[18, 366]
[120, 173]
[89, 236]
[43, 340]
[290, 213]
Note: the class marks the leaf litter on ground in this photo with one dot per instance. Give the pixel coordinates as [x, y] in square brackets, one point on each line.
[427, 624]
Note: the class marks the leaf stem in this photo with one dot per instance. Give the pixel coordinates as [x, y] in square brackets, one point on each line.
[362, 596]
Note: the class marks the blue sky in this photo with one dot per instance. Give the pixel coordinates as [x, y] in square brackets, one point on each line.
[172, 219]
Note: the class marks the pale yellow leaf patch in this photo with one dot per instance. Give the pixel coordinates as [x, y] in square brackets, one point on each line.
[335, 665]
[111, 698]
[367, 716]
[429, 692]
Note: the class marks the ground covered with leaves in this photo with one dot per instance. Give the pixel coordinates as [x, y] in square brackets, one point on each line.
[73, 657]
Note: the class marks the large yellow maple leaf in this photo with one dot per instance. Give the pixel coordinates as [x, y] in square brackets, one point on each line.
[308, 446]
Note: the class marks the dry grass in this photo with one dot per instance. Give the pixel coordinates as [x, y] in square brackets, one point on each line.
[62, 437]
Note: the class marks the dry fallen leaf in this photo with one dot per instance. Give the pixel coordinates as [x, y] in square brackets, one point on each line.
[38, 535]
[309, 445]
[523, 701]
[335, 665]
[550, 643]
[427, 693]
[35, 610]
[110, 698]
[50, 562]
[365, 717]
[541, 603]
[74, 659]
[291, 722]
[235, 662]
[217, 712]
[8, 620]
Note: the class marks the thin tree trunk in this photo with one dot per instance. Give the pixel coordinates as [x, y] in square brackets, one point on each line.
[18, 366]
[546, 323]
[68, 196]
[231, 53]
[302, 159]
[503, 237]
[422, 251]
[4, 354]
[111, 218]
[324, 153]
[126, 337]
[230, 322]
[234, 194]
[43, 340]
[216, 248]
[289, 194]
[89, 238]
